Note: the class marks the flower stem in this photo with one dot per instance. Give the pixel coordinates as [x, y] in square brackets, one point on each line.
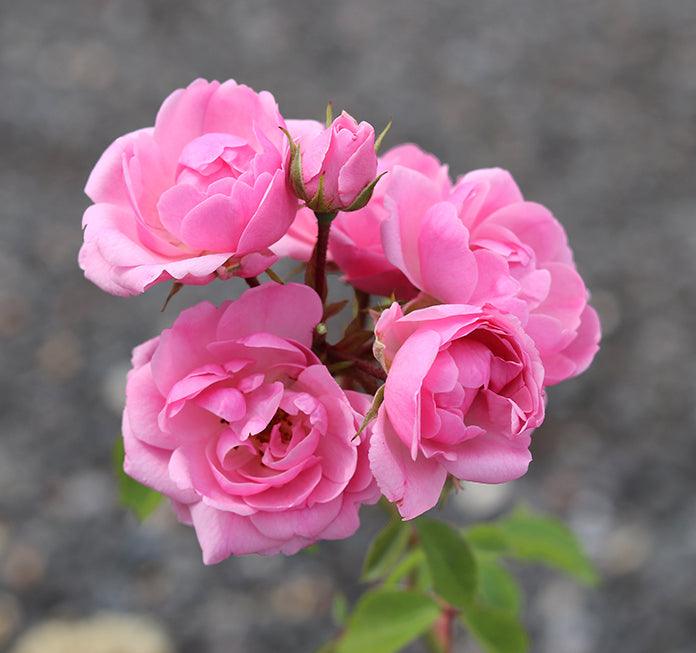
[252, 282]
[443, 631]
[316, 269]
[364, 366]
[363, 303]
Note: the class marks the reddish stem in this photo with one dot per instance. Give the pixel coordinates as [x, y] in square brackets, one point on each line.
[364, 366]
[444, 630]
[316, 270]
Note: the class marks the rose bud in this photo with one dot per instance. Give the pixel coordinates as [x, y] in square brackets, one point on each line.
[334, 168]
[355, 243]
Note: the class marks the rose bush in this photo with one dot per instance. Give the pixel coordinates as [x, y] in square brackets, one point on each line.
[247, 416]
[464, 392]
[232, 416]
[203, 192]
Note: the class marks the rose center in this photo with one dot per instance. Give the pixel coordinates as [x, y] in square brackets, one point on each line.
[279, 430]
[212, 157]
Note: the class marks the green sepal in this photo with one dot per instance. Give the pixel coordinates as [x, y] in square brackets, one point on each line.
[372, 411]
[365, 195]
[380, 138]
[296, 167]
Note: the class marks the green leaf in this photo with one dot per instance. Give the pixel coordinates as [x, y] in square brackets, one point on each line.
[547, 540]
[339, 609]
[451, 562]
[386, 620]
[496, 630]
[385, 550]
[497, 586]
[411, 562]
[488, 538]
[138, 498]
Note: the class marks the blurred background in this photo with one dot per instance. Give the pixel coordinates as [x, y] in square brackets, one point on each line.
[591, 105]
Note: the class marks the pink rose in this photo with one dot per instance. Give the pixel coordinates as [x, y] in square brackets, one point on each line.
[464, 392]
[205, 190]
[232, 416]
[487, 244]
[342, 156]
[355, 244]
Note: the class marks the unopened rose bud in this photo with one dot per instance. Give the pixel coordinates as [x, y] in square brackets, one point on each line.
[334, 169]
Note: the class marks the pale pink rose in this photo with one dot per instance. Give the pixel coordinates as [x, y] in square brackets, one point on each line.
[232, 416]
[343, 156]
[464, 392]
[355, 244]
[487, 244]
[205, 190]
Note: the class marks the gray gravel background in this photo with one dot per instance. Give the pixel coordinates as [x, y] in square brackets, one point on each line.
[591, 104]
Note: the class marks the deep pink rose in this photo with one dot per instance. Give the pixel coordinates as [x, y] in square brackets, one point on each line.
[343, 155]
[205, 190]
[487, 244]
[464, 392]
[355, 244]
[232, 416]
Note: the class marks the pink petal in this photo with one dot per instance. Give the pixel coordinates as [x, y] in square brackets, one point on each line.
[402, 391]
[414, 486]
[106, 183]
[272, 218]
[181, 117]
[491, 458]
[497, 187]
[222, 534]
[214, 225]
[149, 465]
[448, 268]
[288, 311]
[536, 226]
[408, 196]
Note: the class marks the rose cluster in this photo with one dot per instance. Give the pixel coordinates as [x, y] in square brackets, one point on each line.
[265, 436]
